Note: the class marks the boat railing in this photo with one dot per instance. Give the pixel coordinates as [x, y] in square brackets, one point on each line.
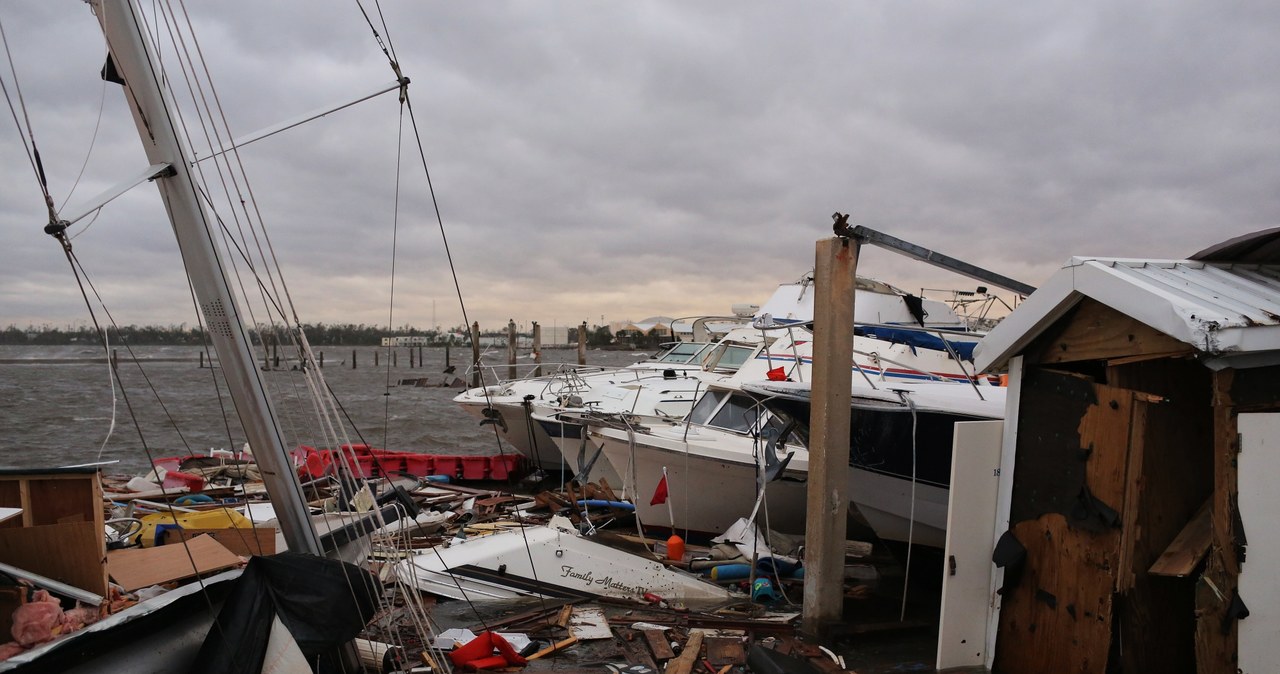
[499, 374]
[940, 332]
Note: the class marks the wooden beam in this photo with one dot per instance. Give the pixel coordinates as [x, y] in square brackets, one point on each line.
[1187, 549]
[835, 274]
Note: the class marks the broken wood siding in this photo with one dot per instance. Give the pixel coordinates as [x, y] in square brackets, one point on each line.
[1072, 460]
[1115, 455]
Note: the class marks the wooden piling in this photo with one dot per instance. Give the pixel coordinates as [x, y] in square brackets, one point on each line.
[419, 355]
[411, 358]
[377, 356]
[115, 359]
[537, 349]
[321, 360]
[353, 359]
[201, 360]
[475, 354]
[582, 343]
[395, 361]
[447, 363]
[511, 349]
[836, 263]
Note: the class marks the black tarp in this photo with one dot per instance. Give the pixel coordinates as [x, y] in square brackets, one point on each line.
[324, 603]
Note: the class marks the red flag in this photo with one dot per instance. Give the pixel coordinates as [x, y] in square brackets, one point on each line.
[777, 374]
[660, 494]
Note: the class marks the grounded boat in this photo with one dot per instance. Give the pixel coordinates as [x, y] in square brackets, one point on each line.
[551, 561]
[721, 450]
[900, 448]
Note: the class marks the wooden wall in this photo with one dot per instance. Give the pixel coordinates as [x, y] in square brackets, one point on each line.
[1116, 452]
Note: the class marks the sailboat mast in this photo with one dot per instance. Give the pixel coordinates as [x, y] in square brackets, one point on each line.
[149, 99]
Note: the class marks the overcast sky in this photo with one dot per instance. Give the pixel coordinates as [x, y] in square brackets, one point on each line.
[628, 159]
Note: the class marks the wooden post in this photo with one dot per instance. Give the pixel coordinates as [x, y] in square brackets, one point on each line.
[475, 354]
[275, 355]
[447, 363]
[202, 360]
[836, 263]
[511, 349]
[537, 349]
[411, 358]
[395, 358]
[419, 355]
[353, 359]
[377, 355]
[115, 359]
[582, 343]
[321, 360]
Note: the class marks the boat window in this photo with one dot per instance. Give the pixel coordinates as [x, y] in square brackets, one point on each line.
[682, 352]
[739, 414]
[728, 357]
[706, 407]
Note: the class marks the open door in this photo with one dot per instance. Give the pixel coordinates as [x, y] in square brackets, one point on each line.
[1259, 584]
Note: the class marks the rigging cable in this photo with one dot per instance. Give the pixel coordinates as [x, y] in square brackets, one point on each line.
[28, 143]
[389, 50]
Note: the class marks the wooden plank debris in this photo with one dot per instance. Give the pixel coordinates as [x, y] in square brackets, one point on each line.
[689, 656]
[1183, 555]
[658, 644]
[242, 541]
[137, 568]
[589, 623]
[725, 651]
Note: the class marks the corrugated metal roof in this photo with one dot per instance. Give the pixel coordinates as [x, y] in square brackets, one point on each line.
[1217, 307]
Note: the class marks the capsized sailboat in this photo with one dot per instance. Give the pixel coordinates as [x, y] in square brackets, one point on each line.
[172, 632]
[552, 561]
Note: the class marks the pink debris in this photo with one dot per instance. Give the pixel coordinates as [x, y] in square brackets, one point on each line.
[10, 649]
[37, 621]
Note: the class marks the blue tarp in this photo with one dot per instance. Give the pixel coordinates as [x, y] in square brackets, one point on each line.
[915, 338]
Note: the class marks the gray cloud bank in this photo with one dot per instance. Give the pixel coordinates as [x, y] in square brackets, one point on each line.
[633, 159]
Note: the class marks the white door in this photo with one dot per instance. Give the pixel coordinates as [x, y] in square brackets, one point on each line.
[1259, 463]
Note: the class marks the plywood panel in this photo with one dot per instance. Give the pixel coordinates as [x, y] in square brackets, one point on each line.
[73, 553]
[58, 500]
[971, 514]
[1073, 475]
[1259, 582]
[137, 568]
[1058, 619]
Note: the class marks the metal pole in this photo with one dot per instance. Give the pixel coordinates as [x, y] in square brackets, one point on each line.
[148, 99]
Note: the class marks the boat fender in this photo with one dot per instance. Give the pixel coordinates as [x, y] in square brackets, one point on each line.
[731, 572]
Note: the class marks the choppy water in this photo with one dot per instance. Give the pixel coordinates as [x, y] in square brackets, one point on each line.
[56, 404]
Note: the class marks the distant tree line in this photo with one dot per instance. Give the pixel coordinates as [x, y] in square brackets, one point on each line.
[318, 334]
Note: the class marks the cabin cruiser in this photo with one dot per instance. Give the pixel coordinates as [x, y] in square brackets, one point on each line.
[531, 413]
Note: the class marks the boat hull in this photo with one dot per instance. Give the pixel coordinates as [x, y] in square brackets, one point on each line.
[708, 488]
[551, 561]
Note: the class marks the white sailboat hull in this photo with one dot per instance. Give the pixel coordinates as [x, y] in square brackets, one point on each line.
[551, 561]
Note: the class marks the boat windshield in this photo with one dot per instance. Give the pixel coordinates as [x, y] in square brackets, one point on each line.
[684, 352]
[706, 407]
[736, 412]
[728, 357]
[740, 413]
